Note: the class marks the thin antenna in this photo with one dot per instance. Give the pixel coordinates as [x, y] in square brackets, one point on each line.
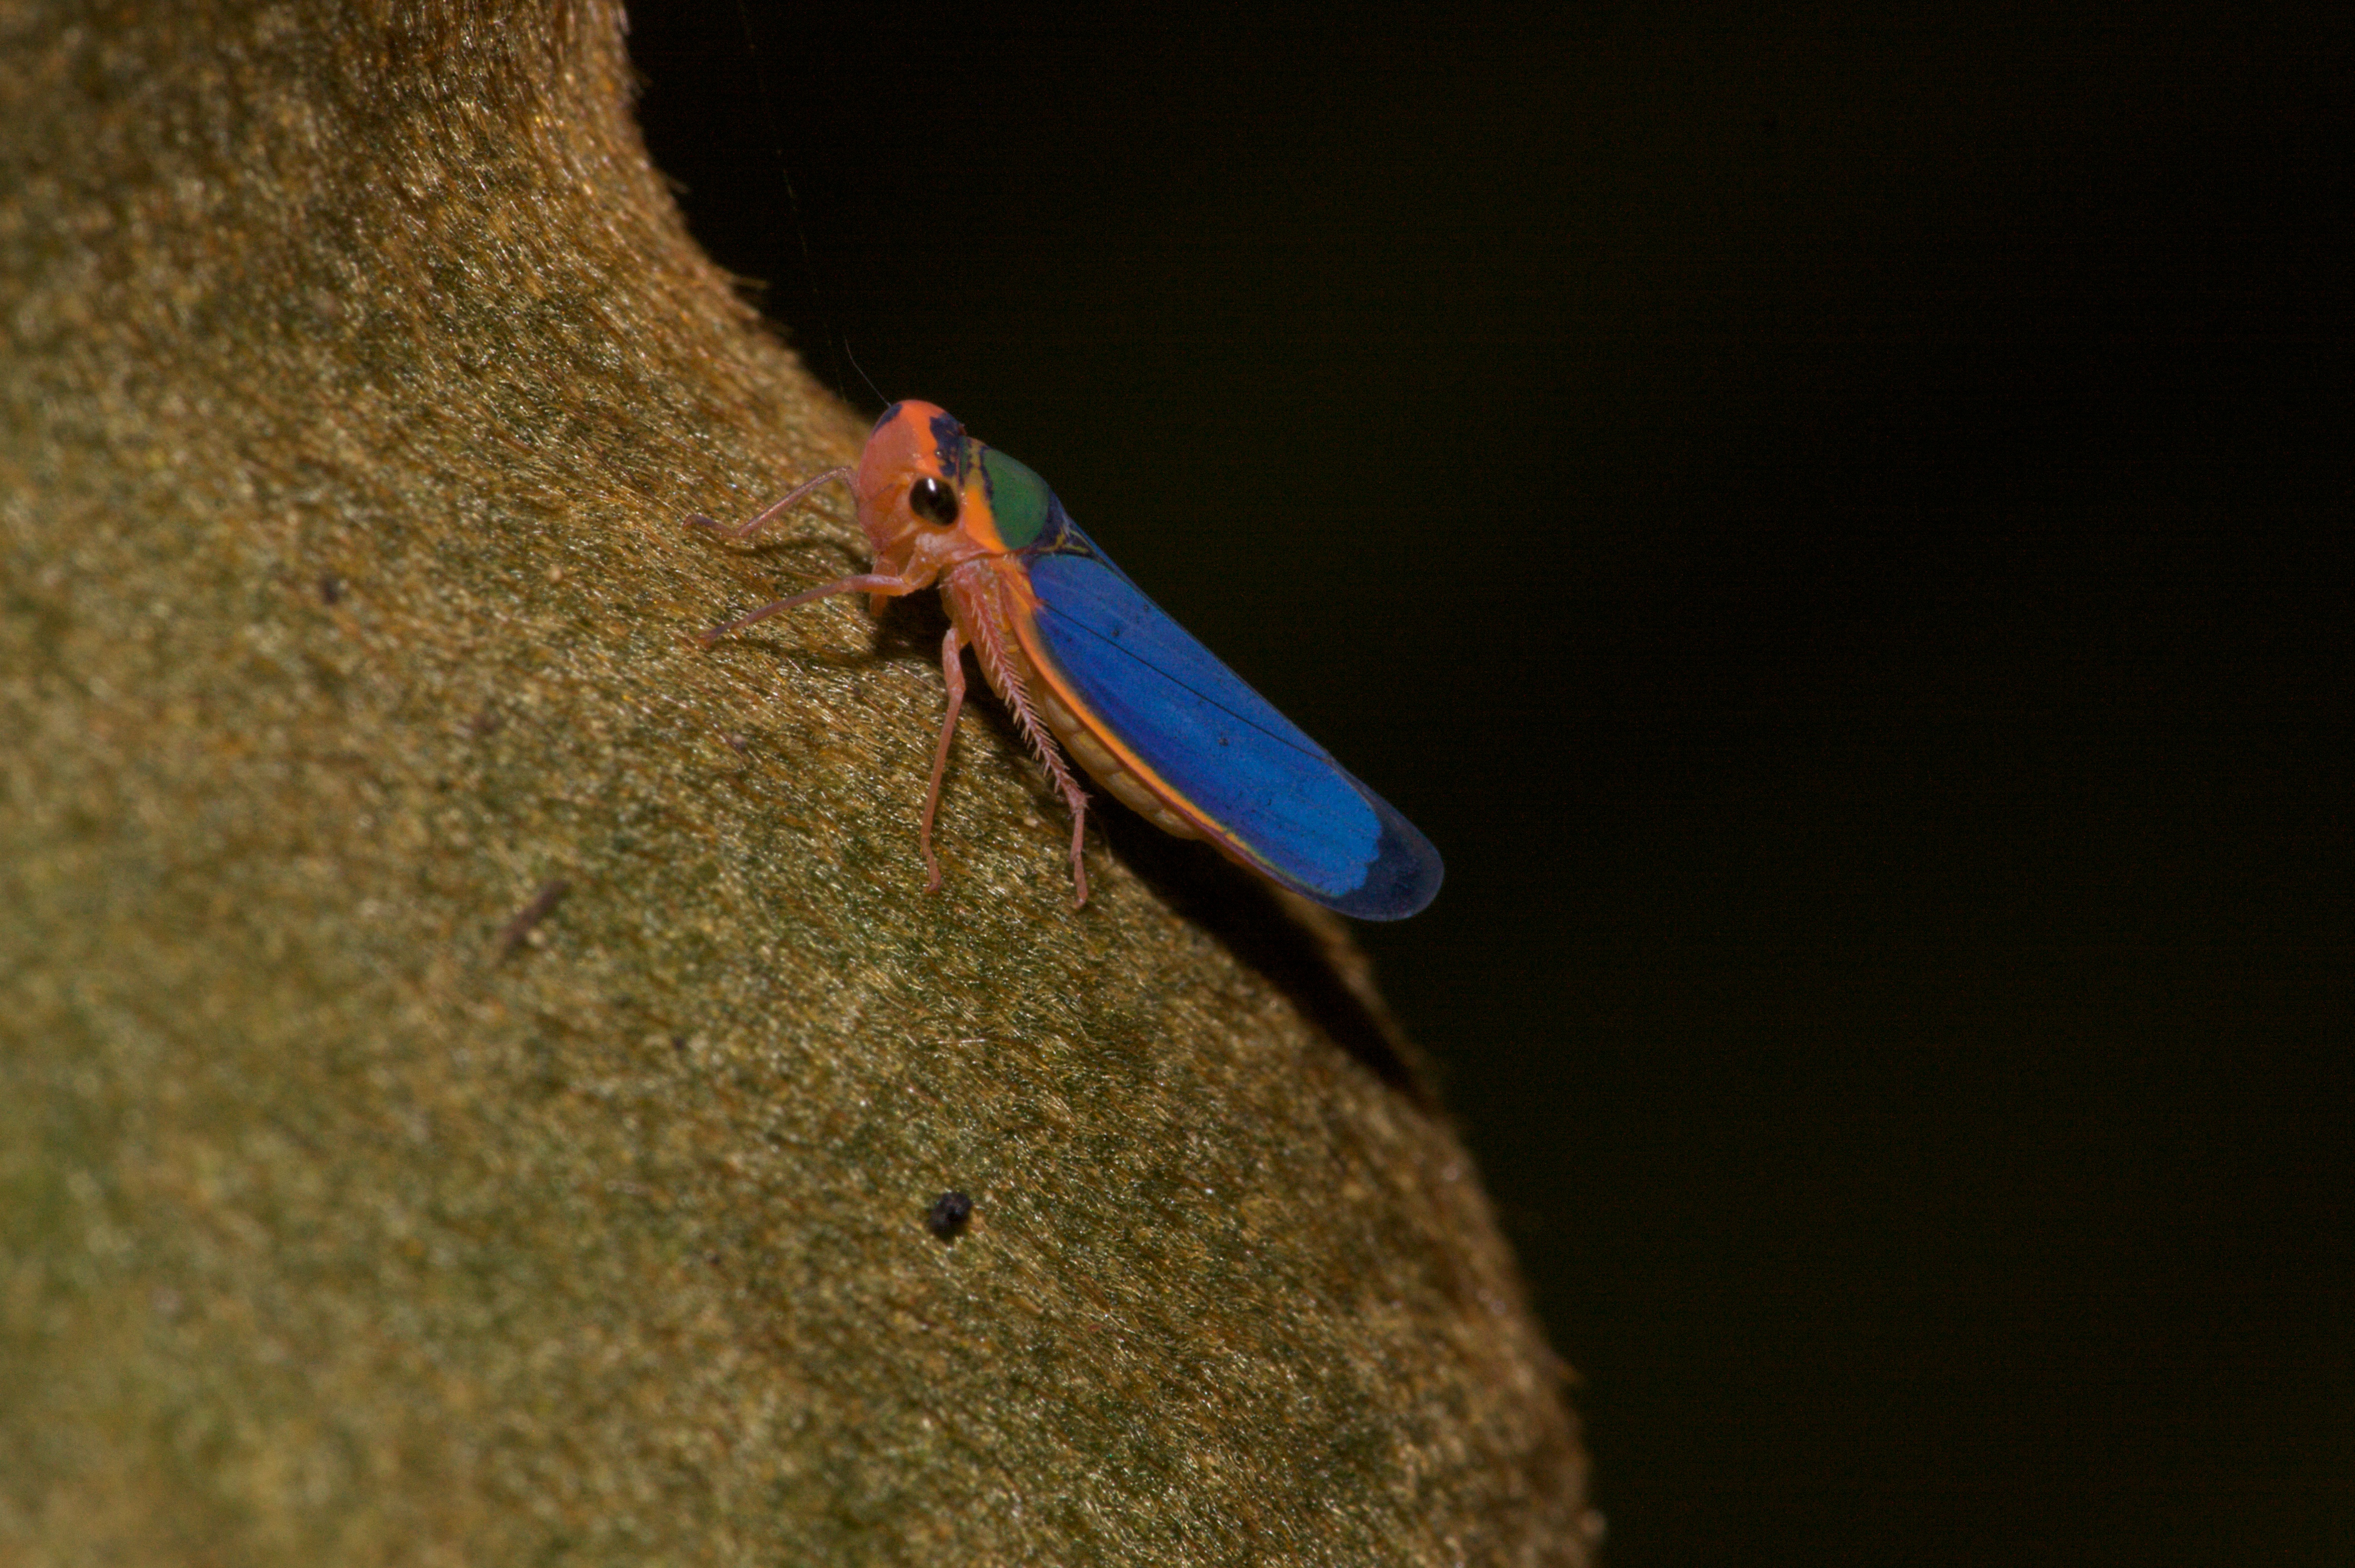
[792, 196]
[863, 375]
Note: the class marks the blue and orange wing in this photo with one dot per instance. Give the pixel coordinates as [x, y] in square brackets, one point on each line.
[1212, 749]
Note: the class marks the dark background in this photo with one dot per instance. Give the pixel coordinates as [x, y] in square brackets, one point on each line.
[1840, 533]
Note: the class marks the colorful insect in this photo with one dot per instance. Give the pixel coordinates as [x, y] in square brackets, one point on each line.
[1083, 657]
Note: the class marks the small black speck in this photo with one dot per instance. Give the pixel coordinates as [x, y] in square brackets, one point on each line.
[950, 1211]
[331, 588]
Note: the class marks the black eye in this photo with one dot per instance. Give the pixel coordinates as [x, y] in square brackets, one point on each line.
[933, 501]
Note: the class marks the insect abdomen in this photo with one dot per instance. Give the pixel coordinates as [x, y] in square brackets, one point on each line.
[1105, 768]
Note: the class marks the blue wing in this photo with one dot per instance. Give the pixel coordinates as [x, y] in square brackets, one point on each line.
[1276, 798]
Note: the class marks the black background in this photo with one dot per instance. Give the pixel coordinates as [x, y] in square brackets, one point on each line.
[1839, 531]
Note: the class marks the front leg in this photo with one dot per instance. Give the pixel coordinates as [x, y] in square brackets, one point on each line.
[777, 509]
[866, 582]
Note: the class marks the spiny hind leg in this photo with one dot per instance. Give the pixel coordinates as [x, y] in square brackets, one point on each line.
[986, 618]
[1042, 740]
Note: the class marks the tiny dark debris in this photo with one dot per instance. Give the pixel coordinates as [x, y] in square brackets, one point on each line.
[950, 1211]
[331, 588]
[543, 903]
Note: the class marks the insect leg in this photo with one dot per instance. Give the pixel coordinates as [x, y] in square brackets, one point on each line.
[1008, 678]
[977, 596]
[865, 584]
[1077, 798]
[953, 670]
[777, 509]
